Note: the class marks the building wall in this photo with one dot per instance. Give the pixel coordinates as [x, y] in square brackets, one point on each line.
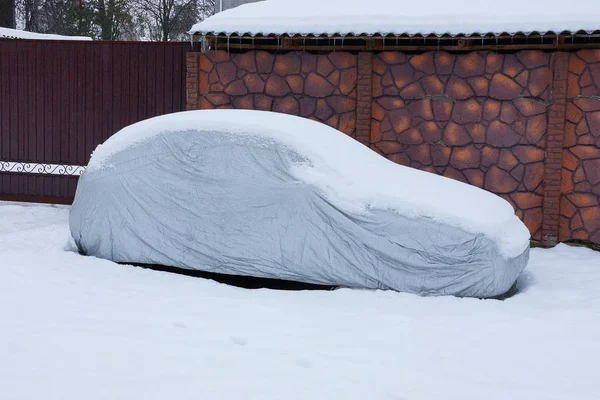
[580, 175]
[496, 121]
[227, 4]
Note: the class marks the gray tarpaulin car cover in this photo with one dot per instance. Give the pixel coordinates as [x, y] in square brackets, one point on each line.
[270, 195]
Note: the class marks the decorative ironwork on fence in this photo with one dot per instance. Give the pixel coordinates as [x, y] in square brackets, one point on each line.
[44, 169]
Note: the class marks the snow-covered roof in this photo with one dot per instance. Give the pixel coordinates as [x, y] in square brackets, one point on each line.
[18, 34]
[404, 17]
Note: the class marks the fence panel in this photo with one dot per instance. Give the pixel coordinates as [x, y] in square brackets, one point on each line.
[59, 100]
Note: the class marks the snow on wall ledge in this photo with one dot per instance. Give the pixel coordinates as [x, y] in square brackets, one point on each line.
[6, 33]
[385, 17]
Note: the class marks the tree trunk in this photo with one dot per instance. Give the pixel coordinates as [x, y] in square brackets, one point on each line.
[7, 13]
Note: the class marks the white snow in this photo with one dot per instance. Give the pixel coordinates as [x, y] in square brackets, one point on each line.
[404, 17]
[18, 34]
[352, 176]
[75, 327]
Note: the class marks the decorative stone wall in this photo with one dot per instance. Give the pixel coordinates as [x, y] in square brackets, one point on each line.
[320, 87]
[479, 117]
[525, 126]
[580, 175]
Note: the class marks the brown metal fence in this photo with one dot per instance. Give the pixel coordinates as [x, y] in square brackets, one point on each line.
[59, 100]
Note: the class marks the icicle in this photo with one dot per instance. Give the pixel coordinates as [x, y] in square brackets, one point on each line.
[343, 36]
[304, 43]
[228, 35]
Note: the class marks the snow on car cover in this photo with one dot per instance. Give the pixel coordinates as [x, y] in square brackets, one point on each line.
[276, 196]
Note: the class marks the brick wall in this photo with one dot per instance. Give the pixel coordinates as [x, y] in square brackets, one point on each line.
[319, 87]
[525, 126]
[580, 174]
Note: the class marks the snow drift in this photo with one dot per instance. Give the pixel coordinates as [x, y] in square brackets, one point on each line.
[275, 196]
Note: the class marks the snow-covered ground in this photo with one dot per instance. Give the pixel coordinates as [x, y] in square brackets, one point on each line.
[74, 327]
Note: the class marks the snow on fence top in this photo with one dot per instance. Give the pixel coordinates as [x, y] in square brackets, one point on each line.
[7, 33]
[396, 17]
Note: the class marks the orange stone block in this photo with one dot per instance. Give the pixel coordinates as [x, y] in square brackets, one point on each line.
[254, 83]
[400, 120]
[205, 64]
[442, 109]
[244, 102]
[536, 128]
[287, 105]
[456, 135]
[576, 64]
[533, 58]
[458, 89]
[479, 85]
[586, 152]
[433, 85]
[507, 160]
[412, 91]
[491, 109]
[526, 200]
[533, 219]
[493, 63]
[576, 223]
[389, 147]
[529, 154]
[430, 131]
[342, 60]
[296, 83]
[246, 62]
[444, 63]
[590, 56]
[591, 218]
[315, 86]
[470, 64]
[504, 88]
[423, 62]
[569, 161]
[529, 107]
[573, 113]
[477, 132]
[573, 89]
[467, 111]
[375, 132]
[276, 86]
[499, 181]
[348, 79]
[570, 138]
[579, 175]
[347, 123]
[566, 183]
[391, 103]
[474, 176]
[465, 157]
[419, 154]
[377, 112]
[236, 88]
[583, 199]
[262, 102]
[489, 156]
[392, 57]
[567, 208]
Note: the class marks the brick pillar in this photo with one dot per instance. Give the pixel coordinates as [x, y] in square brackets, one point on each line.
[364, 97]
[554, 147]
[191, 81]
